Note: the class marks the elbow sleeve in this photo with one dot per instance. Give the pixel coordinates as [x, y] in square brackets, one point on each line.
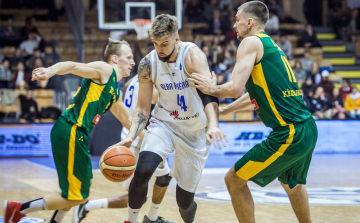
[206, 99]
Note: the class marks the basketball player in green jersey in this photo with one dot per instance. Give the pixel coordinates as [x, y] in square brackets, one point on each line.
[262, 67]
[69, 136]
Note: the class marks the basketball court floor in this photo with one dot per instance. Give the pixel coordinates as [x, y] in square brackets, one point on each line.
[333, 187]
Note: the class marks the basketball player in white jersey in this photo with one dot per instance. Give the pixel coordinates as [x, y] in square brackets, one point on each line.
[183, 121]
[161, 173]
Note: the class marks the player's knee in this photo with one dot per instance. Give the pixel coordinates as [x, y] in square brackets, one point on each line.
[184, 198]
[230, 177]
[163, 181]
[141, 176]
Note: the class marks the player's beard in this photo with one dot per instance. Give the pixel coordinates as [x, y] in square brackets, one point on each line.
[167, 58]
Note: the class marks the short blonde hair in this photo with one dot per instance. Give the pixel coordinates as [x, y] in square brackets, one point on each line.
[163, 25]
[114, 48]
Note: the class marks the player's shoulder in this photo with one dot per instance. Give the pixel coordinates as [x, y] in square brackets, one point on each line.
[251, 43]
[194, 54]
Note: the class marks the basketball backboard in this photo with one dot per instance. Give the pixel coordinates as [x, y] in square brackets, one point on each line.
[117, 14]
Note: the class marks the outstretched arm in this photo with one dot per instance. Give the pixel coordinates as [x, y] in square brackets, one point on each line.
[97, 71]
[236, 105]
[196, 62]
[245, 59]
[142, 110]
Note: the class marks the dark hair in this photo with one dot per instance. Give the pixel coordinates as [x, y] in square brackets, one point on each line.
[258, 9]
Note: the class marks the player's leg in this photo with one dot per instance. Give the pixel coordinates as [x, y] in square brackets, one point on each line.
[186, 203]
[241, 198]
[299, 201]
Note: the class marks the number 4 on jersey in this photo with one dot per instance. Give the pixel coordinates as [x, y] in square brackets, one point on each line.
[181, 102]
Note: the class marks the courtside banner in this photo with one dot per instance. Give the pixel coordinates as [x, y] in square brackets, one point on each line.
[334, 136]
[25, 140]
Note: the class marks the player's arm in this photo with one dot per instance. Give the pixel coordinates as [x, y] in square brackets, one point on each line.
[196, 62]
[97, 71]
[121, 112]
[245, 60]
[236, 105]
[142, 110]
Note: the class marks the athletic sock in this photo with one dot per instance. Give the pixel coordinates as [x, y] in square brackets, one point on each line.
[153, 211]
[133, 214]
[58, 216]
[97, 204]
[34, 205]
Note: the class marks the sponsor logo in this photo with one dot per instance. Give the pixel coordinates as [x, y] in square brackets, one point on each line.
[96, 119]
[277, 195]
[175, 86]
[26, 220]
[251, 136]
[291, 93]
[164, 74]
[175, 114]
[255, 104]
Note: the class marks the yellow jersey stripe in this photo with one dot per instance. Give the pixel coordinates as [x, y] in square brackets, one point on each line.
[74, 192]
[251, 168]
[287, 69]
[261, 35]
[93, 94]
[258, 77]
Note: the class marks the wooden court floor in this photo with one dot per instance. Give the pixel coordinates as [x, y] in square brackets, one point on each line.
[22, 180]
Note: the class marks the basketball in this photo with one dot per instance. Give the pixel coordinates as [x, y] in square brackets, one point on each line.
[117, 163]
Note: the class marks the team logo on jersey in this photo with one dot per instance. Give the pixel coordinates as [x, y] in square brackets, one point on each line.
[26, 220]
[96, 119]
[175, 114]
[277, 195]
[256, 106]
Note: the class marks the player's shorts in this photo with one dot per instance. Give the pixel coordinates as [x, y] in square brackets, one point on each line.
[161, 170]
[72, 159]
[190, 147]
[285, 154]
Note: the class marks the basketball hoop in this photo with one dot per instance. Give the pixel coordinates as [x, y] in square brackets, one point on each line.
[142, 27]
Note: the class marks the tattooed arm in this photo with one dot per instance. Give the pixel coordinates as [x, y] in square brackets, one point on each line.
[142, 110]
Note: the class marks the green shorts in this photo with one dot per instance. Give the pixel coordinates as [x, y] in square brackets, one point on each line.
[285, 154]
[72, 159]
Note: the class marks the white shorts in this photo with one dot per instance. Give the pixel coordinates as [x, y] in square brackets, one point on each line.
[190, 147]
[162, 169]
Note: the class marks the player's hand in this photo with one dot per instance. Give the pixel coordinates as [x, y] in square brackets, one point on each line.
[216, 135]
[204, 84]
[42, 74]
[126, 142]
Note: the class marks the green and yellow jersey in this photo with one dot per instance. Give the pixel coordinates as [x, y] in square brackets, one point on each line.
[90, 101]
[273, 89]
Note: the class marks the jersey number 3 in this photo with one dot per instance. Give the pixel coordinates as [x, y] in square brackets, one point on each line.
[181, 102]
[128, 102]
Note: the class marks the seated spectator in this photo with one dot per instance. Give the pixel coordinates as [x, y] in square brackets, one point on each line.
[21, 77]
[299, 72]
[11, 34]
[229, 58]
[29, 108]
[28, 28]
[272, 25]
[342, 19]
[335, 105]
[30, 44]
[306, 61]
[273, 6]
[315, 73]
[327, 85]
[36, 55]
[285, 46]
[217, 24]
[231, 34]
[209, 8]
[317, 103]
[208, 55]
[5, 74]
[17, 58]
[308, 89]
[345, 88]
[352, 103]
[231, 46]
[309, 38]
[194, 11]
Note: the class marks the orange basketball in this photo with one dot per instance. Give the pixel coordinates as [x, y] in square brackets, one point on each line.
[117, 163]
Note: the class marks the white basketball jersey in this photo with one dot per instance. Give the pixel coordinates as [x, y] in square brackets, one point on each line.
[130, 101]
[178, 103]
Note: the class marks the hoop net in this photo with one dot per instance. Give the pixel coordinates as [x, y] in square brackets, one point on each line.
[142, 27]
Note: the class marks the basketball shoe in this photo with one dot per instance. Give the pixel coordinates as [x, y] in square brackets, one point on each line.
[158, 220]
[12, 212]
[79, 213]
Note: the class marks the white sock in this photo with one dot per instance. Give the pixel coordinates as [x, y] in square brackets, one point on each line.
[34, 205]
[153, 211]
[133, 214]
[97, 204]
[58, 216]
